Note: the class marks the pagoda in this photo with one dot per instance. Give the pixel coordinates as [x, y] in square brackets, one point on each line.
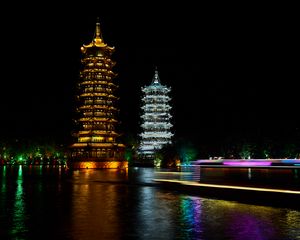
[96, 143]
[156, 125]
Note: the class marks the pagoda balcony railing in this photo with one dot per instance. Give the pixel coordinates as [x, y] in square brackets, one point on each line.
[154, 126]
[149, 147]
[101, 103]
[102, 99]
[157, 91]
[98, 119]
[94, 58]
[157, 97]
[91, 84]
[156, 112]
[156, 100]
[152, 102]
[157, 107]
[156, 134]
[96, 94]
[156, 121]
[98, 131]
[97, 127]
[155, 144]
[92, 80]
[156, 103]
[97, 64]
[96, 106]
[92, 90]
[91, 102]
[154, 137]
[156, 116]
[148, 112]
[91, 115]
[93, 141]
[103, 71]
[157, 125]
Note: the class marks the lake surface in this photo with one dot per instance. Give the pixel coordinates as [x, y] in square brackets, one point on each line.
[55, 203]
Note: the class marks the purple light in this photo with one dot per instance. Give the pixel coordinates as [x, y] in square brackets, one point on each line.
[247, 163]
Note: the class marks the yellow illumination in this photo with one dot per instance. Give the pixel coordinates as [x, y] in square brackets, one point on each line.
[108, 164]
[97, 139]
[84, 139]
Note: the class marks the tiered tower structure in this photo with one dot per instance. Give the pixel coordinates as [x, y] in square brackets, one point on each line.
[96, 143]
[156, 125]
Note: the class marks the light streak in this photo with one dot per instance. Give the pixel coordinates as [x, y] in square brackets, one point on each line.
[191, 183]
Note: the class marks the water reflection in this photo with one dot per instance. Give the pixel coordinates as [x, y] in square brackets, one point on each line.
[191, 217]
[54, 203]
[18, 227]
[94, 210]
[3, 180]
[249, 174]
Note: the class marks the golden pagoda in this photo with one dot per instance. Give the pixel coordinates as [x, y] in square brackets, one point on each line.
[96, 143]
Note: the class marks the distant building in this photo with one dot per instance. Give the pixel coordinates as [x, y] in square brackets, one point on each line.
[156, 125]
[96, 143]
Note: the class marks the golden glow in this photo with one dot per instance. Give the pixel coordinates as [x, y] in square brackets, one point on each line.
[89, 165]
[84, 139]
[96, 145]
[84, 132]
[97, 139]
[106, 164]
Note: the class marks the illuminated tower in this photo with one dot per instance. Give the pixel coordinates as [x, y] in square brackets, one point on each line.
[156, 126]
[96, 138]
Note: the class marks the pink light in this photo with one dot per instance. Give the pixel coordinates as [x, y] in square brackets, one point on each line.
[247, 163]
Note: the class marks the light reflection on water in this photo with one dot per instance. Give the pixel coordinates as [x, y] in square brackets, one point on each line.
[18, 211]
[53, 203]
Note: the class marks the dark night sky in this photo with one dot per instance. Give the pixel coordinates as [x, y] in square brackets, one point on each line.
[233, 69]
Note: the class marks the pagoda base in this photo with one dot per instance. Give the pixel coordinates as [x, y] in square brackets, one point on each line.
[98, 164]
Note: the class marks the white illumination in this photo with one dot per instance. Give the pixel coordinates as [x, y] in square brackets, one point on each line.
[156, 126]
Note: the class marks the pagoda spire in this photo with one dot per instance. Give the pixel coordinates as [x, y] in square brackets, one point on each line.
[98, 31]
[97, 40]
[156, 77]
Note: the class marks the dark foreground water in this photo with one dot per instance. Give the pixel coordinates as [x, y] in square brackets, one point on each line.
[53, 203]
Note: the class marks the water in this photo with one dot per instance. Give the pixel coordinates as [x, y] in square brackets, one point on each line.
[53, 203]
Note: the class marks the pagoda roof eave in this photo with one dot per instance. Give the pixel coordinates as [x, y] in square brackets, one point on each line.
[97, 44]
